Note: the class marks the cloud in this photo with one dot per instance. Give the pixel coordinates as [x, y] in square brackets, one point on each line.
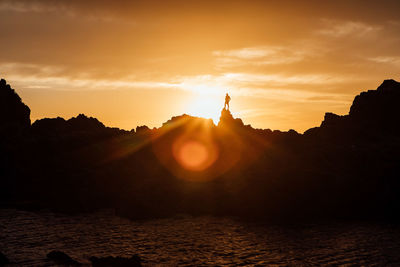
[248, 52]
[259, 56]
[336, 29]
[31, 69]
[273, 87]
[28, 6]
[392, 60]
[281, 79]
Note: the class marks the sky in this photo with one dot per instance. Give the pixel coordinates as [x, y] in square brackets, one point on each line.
[130, 63]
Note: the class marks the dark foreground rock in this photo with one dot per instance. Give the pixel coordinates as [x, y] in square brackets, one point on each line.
[346, 168]
[3, 260]
[14, 114]
[110, 261]
[61, 258]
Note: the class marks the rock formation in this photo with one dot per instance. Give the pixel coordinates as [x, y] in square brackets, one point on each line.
[60, 258]
[3, 260]
[226, 119]
[347, 167]
[14, 114]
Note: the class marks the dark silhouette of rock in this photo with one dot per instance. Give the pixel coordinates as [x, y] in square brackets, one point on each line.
[226, 119]
[14, 136]
[75, 128]
[332, 120]
[142, 129]
[14, 115]
[373, 114]
[110, 261]
[3, 260]
[84, 123]
[377, 109]
[374, 103]
[346, 168]
[60, 258]
[81, 123]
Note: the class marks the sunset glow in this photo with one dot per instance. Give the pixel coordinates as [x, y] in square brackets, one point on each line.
[206, 106]
[284, 63]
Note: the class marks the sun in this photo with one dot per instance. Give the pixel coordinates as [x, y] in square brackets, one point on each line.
[206, 106]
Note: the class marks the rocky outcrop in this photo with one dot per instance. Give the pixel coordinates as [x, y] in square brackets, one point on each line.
[80, 127]
[227, 119]
[60, 258]
[142, 129]
[84, 123]
[146, 173]
[3, 260]
[14, 114]
[378, 109]
[333, 120]
[58, 125]
[373, 113]
[374, 104]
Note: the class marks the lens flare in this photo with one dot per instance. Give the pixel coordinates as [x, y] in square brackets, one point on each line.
[194, 149]
[194, 155]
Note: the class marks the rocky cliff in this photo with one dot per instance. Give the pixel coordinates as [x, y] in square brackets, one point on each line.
[14, 114]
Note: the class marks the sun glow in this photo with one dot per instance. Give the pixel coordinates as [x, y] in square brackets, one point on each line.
[206, 106]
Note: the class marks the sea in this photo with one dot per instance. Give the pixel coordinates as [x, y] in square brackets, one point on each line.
[26, 237]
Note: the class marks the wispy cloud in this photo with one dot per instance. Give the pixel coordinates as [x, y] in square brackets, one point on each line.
[334, 28]
[248, 52]
[36, 6]
[274, 86]
[281, 79]
[82, 10]
[392, 60]
[31, 69]
[259, 56]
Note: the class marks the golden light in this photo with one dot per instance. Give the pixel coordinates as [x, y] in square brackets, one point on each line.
[194, 149]
[194, 155]
[207, 106]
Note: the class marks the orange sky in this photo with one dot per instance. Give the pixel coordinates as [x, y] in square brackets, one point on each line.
[129, 63]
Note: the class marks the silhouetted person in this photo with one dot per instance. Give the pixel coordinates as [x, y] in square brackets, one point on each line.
[227, 99]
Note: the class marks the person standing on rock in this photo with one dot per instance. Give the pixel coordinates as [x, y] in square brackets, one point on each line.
[227, 99]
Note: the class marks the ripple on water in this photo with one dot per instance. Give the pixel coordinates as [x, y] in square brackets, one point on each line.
[26, 238]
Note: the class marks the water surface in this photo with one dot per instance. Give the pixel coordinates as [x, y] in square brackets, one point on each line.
[26, 238]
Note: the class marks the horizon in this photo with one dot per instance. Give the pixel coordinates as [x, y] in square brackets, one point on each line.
[215, 121]
[131, 63]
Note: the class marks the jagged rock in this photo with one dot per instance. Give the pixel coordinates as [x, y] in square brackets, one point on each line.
[377, 107]
[184, 119]
[142, 129]
[50, 126]
[228, 120]
[61, 258]
[373, 113]
[109, 261]
[251, 167]
[333, 120]
[14, 114]
[3, 260]
[76, 126]
[177, 119]
[84, 123]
